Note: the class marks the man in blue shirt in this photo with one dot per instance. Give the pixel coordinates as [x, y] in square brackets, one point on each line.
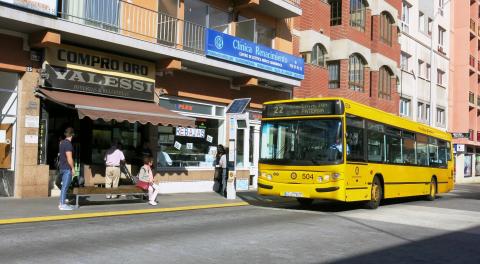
[67, 169]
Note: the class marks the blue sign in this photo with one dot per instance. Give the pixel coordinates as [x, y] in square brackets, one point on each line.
[230, 48]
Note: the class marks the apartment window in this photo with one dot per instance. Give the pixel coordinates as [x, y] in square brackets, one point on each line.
[421, 22]
[265, 35]
[333, 74]
[335, 12]
[385, 83]
[318, 55]
[99, 13]
[404, 59]
[427, 71]
[423, 112]
[440, 117]
[441, 34]
[405, 15]
[358, 14]
[440, 74]
[405, 106]
[420, 111]
[386, 22]
[430, 23]
[420, 68]
[355, 72]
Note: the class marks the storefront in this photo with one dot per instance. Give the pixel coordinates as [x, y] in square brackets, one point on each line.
[106, 98]
[467, 163]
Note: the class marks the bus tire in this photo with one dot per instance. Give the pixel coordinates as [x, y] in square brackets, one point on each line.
[433, 190]
[305, 201]
[376, 194]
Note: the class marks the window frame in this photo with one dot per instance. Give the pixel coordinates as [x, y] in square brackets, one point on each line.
[358, 14]
[385, 76]
[333, 67]
[356, 72]
[386, 24]
[335, 12]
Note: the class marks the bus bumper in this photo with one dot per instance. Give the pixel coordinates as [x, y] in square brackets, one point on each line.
[328, 191]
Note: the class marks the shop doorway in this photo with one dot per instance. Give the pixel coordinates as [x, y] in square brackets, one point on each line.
[254, 148]
[8, 121]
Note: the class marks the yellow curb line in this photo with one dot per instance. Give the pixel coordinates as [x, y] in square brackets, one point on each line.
[115, 213]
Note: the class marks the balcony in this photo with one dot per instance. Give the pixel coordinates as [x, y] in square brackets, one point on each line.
[471, 62]
[275, 8]
[471, 98]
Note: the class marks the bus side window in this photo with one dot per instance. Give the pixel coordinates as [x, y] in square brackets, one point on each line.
[422, 150]
[408, 148]
[355, 139]
[442, 153]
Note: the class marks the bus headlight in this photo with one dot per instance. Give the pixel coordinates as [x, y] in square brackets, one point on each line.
[319, 178]
[335, 176]
[269, 177]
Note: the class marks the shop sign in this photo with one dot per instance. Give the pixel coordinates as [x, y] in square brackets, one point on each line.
[88, 71]
[190, 132]
[43, 6]
[238, 50]
[459, 147]
[461, 135]
[188, 107]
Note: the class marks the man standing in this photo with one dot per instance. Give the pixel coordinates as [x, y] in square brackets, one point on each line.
[67, 169]
[113, 158]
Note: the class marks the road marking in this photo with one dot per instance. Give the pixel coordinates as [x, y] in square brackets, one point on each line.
[115, 213]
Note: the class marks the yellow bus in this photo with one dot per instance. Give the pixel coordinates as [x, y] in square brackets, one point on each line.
[338, 149]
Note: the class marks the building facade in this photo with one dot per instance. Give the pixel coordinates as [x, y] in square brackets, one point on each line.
[351, 49]
[157, 76]
[464, 95]
[424, 61]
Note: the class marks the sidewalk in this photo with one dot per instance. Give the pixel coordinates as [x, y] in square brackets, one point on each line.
[46, 209]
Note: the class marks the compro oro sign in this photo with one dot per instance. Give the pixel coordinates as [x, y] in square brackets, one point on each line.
[241, 51]
[44, 6]
[88, 71]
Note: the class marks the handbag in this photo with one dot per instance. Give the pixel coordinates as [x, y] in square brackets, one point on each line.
[143, 185]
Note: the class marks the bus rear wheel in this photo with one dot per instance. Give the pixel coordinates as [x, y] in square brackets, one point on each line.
[305, 201]
[376, 195]
[433, 190]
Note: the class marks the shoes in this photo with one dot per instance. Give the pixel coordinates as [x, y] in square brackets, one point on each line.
[152, 203]
[65, 207]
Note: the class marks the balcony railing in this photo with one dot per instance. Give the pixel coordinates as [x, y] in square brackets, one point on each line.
[472, 25]
[293, 2]
[137, 22]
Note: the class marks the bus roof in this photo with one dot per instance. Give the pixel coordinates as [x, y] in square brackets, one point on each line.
[368, 112]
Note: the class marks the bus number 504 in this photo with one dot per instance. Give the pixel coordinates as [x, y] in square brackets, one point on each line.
[307, 176]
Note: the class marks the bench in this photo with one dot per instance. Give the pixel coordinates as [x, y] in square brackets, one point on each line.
[121, 190]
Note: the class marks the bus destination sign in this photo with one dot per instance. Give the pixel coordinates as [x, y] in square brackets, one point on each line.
[303, 109]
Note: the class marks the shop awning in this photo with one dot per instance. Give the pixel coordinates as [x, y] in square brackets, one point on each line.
[98, 107]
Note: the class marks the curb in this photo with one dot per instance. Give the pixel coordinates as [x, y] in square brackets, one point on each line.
[115, 213]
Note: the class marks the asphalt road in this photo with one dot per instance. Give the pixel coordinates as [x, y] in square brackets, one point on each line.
[400, 231]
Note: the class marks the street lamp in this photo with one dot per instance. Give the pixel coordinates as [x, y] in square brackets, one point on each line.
[439, 11]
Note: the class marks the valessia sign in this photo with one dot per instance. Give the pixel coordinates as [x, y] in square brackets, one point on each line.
[230, 48]
[82, 70]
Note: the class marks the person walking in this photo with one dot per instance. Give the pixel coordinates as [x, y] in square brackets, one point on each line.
[66, 166]
[146, 180]
[113, 158]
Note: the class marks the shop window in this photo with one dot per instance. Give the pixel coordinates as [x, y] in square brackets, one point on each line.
[188, 147]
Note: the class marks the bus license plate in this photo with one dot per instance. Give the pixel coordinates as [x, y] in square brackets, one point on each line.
[293, 194]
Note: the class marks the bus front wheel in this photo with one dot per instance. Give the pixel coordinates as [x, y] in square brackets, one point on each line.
[305, 201]
[376, 194]
[433, 190]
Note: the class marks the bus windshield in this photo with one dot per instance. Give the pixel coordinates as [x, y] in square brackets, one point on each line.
[302, 142]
